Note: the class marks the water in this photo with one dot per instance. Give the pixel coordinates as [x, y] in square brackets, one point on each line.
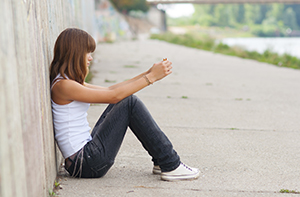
[278, 45]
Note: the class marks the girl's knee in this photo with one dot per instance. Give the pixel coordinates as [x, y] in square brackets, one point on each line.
[132, 99]
[129, 102]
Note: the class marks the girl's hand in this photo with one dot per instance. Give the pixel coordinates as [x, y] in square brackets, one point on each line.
[159, 70]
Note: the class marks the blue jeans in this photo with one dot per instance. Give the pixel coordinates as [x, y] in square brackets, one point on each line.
[98, 155]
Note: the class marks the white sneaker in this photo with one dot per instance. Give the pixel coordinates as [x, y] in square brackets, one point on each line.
[156, 170]
[182, 172]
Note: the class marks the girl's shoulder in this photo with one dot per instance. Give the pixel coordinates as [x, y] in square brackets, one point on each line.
[65, 84]
[64, 91]
[59, 78]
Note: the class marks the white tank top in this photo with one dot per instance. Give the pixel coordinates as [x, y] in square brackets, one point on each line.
[71, 127]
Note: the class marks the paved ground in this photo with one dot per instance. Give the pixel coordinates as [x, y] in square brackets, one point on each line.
[237, 120]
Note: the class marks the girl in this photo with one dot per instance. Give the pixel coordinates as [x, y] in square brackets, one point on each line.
[90, 155]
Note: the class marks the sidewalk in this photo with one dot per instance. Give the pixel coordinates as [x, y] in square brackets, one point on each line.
[237, 120]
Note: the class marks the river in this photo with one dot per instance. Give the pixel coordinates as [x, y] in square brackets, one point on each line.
[278, 45]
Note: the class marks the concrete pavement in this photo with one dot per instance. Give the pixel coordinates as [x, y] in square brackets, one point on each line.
[235, 119]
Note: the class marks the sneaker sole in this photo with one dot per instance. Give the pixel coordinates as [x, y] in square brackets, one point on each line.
[156, 171]
[180, 177]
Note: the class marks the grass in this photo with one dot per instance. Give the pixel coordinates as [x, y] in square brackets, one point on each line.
[130, 66]
[289, 191]
[56, 184]
[207, 43]
[89, 77]
[52, 193]
[217, 32]
[110, 81]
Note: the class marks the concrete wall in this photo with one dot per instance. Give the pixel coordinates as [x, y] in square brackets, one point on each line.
[157, 18]
[110, 24]
[28, 30]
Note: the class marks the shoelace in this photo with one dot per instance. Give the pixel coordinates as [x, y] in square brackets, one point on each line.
[187, 167]
[80, 154]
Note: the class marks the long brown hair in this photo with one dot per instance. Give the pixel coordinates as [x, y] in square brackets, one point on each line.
[70, 51]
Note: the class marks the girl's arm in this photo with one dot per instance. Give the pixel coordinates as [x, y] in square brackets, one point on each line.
[118, 84]
[129, 81]
[69, 90]
[93, 86]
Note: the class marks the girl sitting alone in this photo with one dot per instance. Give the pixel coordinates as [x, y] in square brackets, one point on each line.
[90, 155]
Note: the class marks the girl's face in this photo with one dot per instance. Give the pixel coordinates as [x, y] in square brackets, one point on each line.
[89, 58]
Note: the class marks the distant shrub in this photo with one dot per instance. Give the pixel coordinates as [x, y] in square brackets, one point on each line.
[209, 44]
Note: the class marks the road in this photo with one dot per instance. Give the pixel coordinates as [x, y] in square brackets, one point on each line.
[235, 119]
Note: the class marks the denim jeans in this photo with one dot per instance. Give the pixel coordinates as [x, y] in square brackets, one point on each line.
[98, 155]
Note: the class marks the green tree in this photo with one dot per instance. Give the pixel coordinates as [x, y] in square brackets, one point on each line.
[212, 9]
[129, 5]
[223, 15]
[262, 13]
[240, 17]
[289, 18]
[252, 13]
[276, 12]
[296, 9]
[202, 15]
[249, 14]
[262, 19]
